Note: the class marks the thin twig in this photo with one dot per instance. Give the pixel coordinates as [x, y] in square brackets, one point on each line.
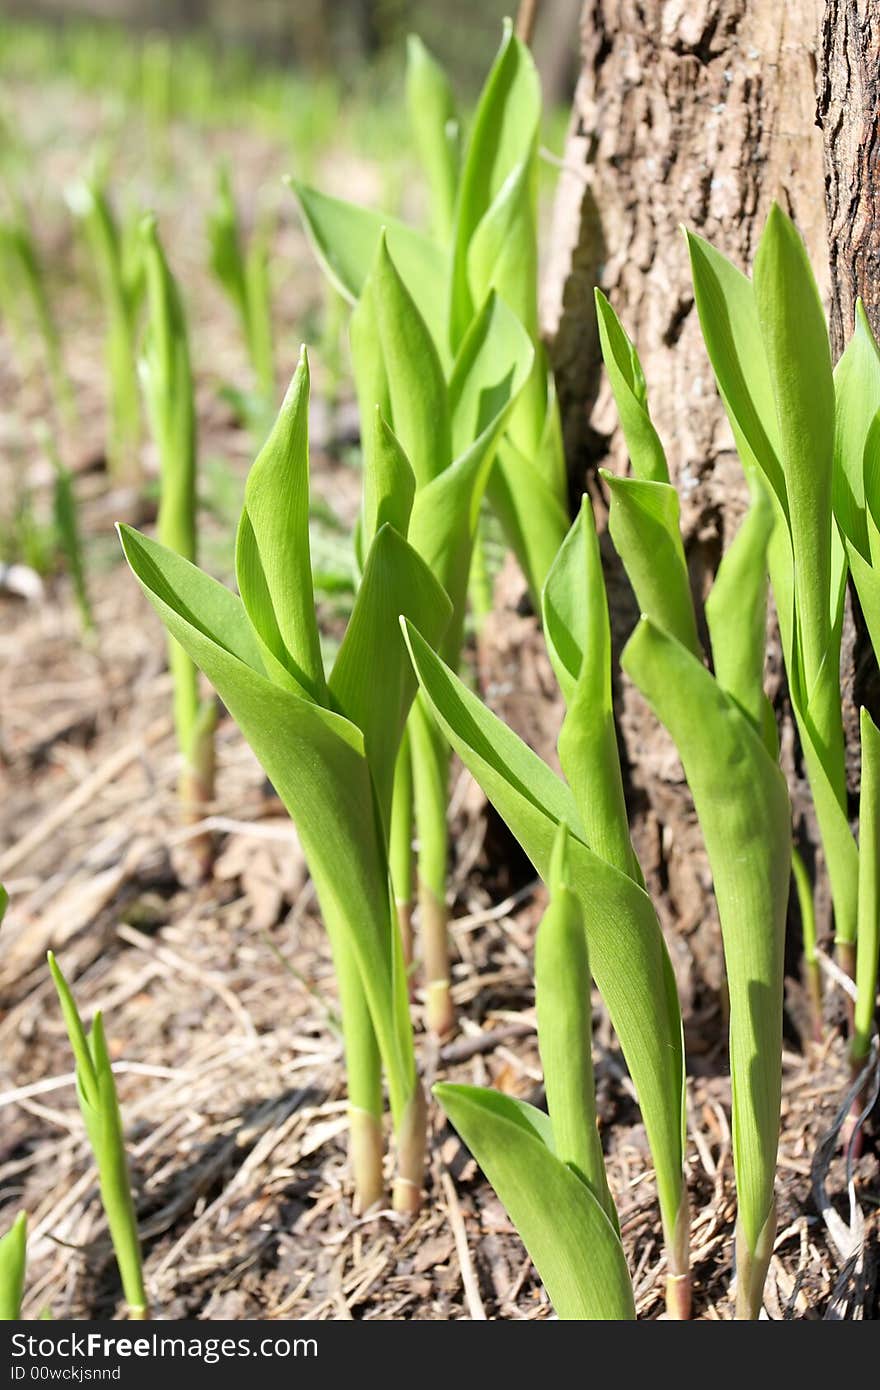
[468, 1277]
[283, 835]
[526, 16]
[848, 1239]
[834, 972]
[464, 1048]
[57, 1083]
[494, 914]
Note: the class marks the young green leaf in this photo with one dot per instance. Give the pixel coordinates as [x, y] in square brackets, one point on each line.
[743, 807]
[857, 465]
[578, 636]
[731, 330]
[227, 252]
[630, 395]
[18, 243]
[734, 332]
[395, 580]
[344, 238]
[857, 400]
[370, 377]
[490, 370]
[530, 506]
[168, 388]
[871, 470]
[170, 397]
[316, 760]
[417, 389]
[645, 529]
[579, 1257]
[736, 614]
[243, 270]
[489, 373]
[333, 774]
[627, 954]
[799, 361]
[503, 250]
[436, 128]
[565, 1031]
[389, 483]
[272, 556]
[502, 140]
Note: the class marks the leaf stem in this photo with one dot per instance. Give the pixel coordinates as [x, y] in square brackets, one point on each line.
[401, 847]
[804, 890]
[430, 758]
[364, 1070]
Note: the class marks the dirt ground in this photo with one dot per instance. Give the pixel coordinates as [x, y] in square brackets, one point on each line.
[219, 1000]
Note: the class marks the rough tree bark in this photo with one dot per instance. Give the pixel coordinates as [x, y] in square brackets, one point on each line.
[849, 104]
[701, 112]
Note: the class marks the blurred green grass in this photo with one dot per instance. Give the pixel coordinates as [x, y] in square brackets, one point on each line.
[190, 78]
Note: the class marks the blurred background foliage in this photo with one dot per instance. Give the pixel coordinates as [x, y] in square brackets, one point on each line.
[343, 38]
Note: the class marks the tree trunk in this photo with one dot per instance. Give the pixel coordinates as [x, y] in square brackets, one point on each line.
[849, 112]
[702, 112]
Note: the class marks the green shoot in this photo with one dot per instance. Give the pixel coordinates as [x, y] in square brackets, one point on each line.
[13, 1258]
[24, 265]
[437, 133]
[243, 271]
[120, 293]
[628, 957]
[565, 1031]
[768, 346]
[543, 1166]
[868, 939]
[64, 508]
[169, 394]
[96, 1092]
[807, 907]
[400, 849]
[449, 429]
[730, 758]
[327, 743]
[494, 248]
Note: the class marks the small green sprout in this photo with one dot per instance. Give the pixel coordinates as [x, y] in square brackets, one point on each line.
[169, 393]
[120, 284]
[13, 1259]
[96, 1092]
[243, 271]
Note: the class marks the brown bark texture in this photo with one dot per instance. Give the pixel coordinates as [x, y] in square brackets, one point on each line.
[849, 111]
[701, 112]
